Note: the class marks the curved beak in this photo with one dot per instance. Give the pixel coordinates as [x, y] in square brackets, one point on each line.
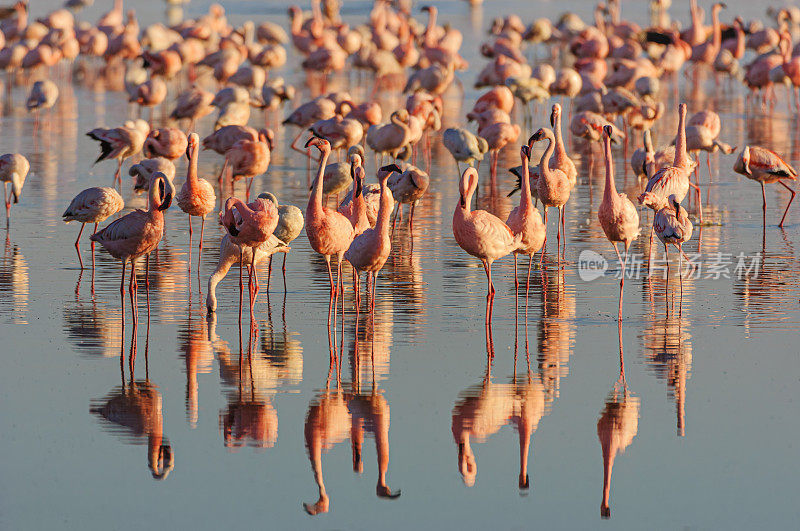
[166, 195]
[552, 119]
[392, 168]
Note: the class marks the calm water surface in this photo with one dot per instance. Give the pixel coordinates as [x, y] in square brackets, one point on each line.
[248, 430]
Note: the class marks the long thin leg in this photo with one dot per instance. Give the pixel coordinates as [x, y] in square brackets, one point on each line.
[558, 237]
[118, 173]
[544, 244]
[330, 274]
[241, 284]
[95, 232]
[374, 282]
[77, 244]
[283, 268]
[790, 201]
[200, 247]
[269, 271]
[132, 291]
[190, 246]
[122, 291]
[680, 276]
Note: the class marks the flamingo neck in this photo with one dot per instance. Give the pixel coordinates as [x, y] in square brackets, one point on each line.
[384, 210]
[717, 29]
[316, 194]
[544, 168]
[525, 198]
[191, 177]
[610, 192]
[681, 157]
[560, 151]
[429, 30]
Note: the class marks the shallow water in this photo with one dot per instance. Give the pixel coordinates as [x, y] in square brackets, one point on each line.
[707, 418]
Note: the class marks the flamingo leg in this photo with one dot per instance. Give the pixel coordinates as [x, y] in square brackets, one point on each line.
[558, 236]
[790, 201]
[283, 268]
[680, 276]
[241, 284]
[77, 244]
[269, 272]
[132, 292]
[544, 244]
[294, 143]
[516, 280]
[190, 243]
[374, 283]
[122, 291]
[95, 232]
[330, 274]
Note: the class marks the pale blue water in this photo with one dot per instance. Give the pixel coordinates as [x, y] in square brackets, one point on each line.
[724, 372]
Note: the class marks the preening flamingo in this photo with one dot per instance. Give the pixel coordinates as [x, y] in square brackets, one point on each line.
[290, 225]
[14, 169]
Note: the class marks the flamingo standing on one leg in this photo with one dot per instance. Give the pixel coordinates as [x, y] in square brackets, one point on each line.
[14, 169]
[329, 232]
[196, 197]
[249, 225]
[481, 234]
[136, 234]
[93, 205]
[617, 214]
[553, 186]
[370, 249]
[766, 167]
[526, 220]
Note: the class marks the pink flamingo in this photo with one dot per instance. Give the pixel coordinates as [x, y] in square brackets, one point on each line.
[120, 143]
[481, 234]
[249, 225]
[553, 187]
[766, 167]
[370, 249]
[248, 158]
[136, 234]
[93, 205]
[14, 169]
[617, 215]
[329, 232]
[497, 136]
[560, 160]
[168, 142]
[526, 220]
[356, 209]
[672, 226]
[196, 197]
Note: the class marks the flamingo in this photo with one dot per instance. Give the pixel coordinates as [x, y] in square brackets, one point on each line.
[249, 225]
[497, 136]
[329, 232]
[120, 143]
[145, 169]
[354, 207]
[408, 188]
[136, 234]
[464, 146]
[290, 225]
[560, 160]
[526, 220]
[617, 215]
[248, 158]
[14, 169]
[193, 104]
[765, 166]
[553, 186]
[93, 205]
[481, 234]
[43, 95]
[672, 226]
[167, 142]
[196, 197]
[370, 249]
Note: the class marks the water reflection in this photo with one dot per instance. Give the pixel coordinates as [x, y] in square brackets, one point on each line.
[557, 328]
[14, 285]
[197, 353]
[133, 412]
[616, 428]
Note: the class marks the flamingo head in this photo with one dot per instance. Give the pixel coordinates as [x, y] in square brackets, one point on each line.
[525, 153]
[267, 136]
[385, 171]
[556, 112]
[162, 463]
[164, 197]
[538, 135]
[320, 143]
[191, 147]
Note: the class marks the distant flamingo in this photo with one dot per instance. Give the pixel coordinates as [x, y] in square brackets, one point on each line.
[168, 142]
[765, 166]
[290, 225]
[553, 187]
[329, 232]
[481, 234]
[370, 249]
[196, 197]
[617, 215]
[93, 205]
[526, 220]
[136, 234]
[14, 169]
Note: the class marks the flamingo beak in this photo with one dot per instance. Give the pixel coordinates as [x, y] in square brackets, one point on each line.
[392, 168]
[166, 196]
[463, 201]
[552, 119]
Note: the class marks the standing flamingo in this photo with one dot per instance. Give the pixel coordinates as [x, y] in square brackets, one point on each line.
[120, 143]
[329, 232]
[765, 166]
[14, 169]
[290, 225]
[617, 215]
[672, 226]
[196, 197]
[136, 234]
[249, 225]
[370, 249]
[481, 234]
[93, 205]
[553, 186]
[526, 220]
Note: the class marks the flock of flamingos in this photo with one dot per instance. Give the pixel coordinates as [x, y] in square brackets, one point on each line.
[613, 85]
[608, 81]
